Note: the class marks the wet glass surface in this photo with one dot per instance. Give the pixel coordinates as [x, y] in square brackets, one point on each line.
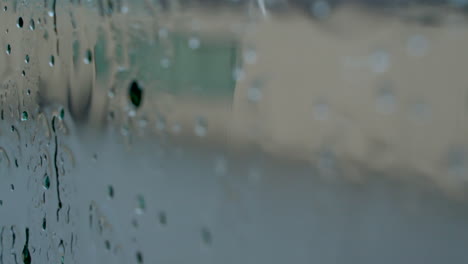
[233, 131]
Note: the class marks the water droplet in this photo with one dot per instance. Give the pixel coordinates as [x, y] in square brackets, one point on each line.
[5, 8]
[46, 182]
[12, 187]
[61, 250]
[254, 93]
[250, 56]
[458, 162]
[135, 94]
[139, 257]
[26, 59]
[238, 74]
[25, 253]
[417, 46]
[110, 191]
[160, 123]
[19, 23]
[201, 127]
[206, 236]
[321, 111]
[459, 3]
[24, 116]
[326, 162]
[162, 218]
[88, 57]
[163, 33]
[321, 9]
[44, 125]
[380, 61]
[107, 244]
[52, 61]
[254, 174]
[141, 206]
[143, 122]
[51, 13]
[165, 63]
[23, 73]
[4, 157]
[32, 26]
[61, 114]
[386, 101]
[420, 112]
[8, 49]
[44, 224]
[220, 166]
[176, 128]
[194, 43]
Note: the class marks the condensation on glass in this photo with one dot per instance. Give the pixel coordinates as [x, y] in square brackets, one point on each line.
[233, 131]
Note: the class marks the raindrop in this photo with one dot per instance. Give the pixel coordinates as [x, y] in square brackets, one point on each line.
[19, 24]
[26, 254]
[141, 206]
[139, 257]
[44, 224]
[254, 174]
[459, 3]
[194, 43]
[23, 73]
[51, 13]
[160, 123]
[254, 94]
[457, 162]
[110, 191]
[176, 128]
[24, 116]
[238, 74]
[8, 49]
[52, 61]
[321, 111]
[46, 182]
[4, 157]
[417, 45]
[380, 61]
[321, 9]
[200, 127]
[88, 57]
[62, 114]
[32, 26]
[162, 218]
[135, 94]
[12, 187]
[327, 162]
[107, 244]
[165, 63]
[420, 112]
[206, 236]
[1, 202]
[62, 251]
[250, 56]
[162, 33]
[143, 122]
[220, 166]
[386, 101]
[26, 59]
[5, 8]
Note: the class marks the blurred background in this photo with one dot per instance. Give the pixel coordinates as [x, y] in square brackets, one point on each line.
[233, 131]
